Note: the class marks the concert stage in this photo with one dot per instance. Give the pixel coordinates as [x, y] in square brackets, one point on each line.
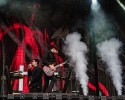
[59, 96]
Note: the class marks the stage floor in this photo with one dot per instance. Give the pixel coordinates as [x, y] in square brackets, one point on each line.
[59, 96]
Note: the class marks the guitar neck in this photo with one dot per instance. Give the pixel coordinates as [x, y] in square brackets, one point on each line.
[59, 64]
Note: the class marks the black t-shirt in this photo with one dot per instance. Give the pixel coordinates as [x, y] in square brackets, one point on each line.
[36, 76]
[49, 58]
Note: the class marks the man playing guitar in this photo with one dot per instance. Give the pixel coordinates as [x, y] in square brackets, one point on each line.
[35, 76]
[49, 61]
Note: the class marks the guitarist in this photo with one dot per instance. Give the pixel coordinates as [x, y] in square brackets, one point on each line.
[49, 60]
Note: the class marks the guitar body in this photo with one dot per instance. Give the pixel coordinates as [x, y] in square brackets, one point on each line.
[48, 71]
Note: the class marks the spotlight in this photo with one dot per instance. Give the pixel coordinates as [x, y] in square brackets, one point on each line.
[95, 5]
[121, 4]
[94, 2]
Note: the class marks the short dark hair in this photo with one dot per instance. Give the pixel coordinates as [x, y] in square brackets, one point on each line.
[36, 60]
[53, 47]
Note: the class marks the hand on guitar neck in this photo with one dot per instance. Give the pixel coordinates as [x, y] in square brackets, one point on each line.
[60, 65]
[52, 66]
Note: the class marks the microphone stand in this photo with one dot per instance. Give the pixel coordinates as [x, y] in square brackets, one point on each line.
[3, 78]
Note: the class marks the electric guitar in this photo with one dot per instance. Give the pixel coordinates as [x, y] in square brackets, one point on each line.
[48, 71]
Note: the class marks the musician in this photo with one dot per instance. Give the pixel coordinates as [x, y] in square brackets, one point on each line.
[35, 72]
[50, 60]
[30, 68]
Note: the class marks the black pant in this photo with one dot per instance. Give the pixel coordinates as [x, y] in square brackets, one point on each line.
[35, 88]
[46, 83]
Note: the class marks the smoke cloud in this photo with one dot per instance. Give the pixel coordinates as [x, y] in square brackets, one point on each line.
[76, 50]
[109, 52]
[3, 2]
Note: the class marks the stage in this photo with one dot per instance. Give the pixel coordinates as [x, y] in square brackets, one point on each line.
[59, 96]
[89, 36]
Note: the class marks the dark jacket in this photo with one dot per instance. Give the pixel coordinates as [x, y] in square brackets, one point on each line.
[36, 76]
[48, 58]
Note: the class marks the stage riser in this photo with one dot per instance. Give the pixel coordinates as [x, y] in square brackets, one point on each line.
[56, 96]
[64, 98]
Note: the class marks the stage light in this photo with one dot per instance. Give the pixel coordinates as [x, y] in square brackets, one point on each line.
[45, 96]
[95, 5]
[103, 98]
[91, 98]
[10, 96]
[34, 96]
[81, 98]
[69, 97]
[22, 96]
[113, 97]
[121, 4]
[61, 96]
[94, 2]
[58, 97]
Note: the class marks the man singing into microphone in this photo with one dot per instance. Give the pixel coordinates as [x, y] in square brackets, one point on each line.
[35, 75]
